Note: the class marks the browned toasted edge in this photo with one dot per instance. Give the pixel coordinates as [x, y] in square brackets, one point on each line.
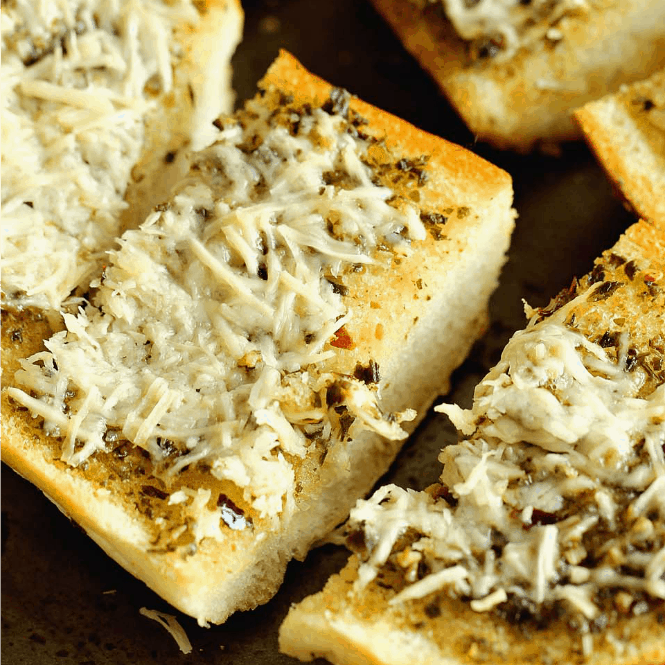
[479, 177]
[348, 628]
[629, 148]
[364, 631]
[526, 101]
[218, 579]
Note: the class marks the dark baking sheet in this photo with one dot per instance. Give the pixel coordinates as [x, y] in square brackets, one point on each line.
[63, 600]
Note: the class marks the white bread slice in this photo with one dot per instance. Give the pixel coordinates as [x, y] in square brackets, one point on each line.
[411, 318]
[626, 131]
[100, 103]
[582, 51]
[620, 309]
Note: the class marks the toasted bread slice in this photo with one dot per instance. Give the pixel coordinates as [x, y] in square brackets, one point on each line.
[323, 259]
[526, 550]
[100, 104]
[528, 65]
[626, 131]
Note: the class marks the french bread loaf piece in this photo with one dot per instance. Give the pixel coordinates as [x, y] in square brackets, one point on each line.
[626, 131]
[544, 540]
[515, 71]
[219, 405]
[100, 102]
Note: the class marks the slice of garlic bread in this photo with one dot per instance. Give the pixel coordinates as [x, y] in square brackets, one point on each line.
[544, 541]
[626, 131]
[100, 102]
[254, 355]
[516, 70]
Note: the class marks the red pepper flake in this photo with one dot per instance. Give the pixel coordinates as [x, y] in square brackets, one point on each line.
[342, 339]
[649, 278]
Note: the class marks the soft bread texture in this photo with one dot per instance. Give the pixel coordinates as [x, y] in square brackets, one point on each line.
[202, 92]
[416, 320]
[348, 626]
[527, 99]
[626, 131]
[138, 142]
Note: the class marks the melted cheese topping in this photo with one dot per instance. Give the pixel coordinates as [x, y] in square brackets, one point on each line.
[212, 320]
[78, 79]
[559, 493]
[502, 26]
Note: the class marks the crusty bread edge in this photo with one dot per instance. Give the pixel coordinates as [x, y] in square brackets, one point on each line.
[479, 176]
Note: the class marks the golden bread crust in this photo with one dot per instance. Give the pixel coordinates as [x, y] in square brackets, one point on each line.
[626, 131]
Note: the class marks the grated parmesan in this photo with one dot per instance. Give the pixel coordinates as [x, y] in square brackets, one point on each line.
[557, 492]
[211, 323]
[78, 80]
